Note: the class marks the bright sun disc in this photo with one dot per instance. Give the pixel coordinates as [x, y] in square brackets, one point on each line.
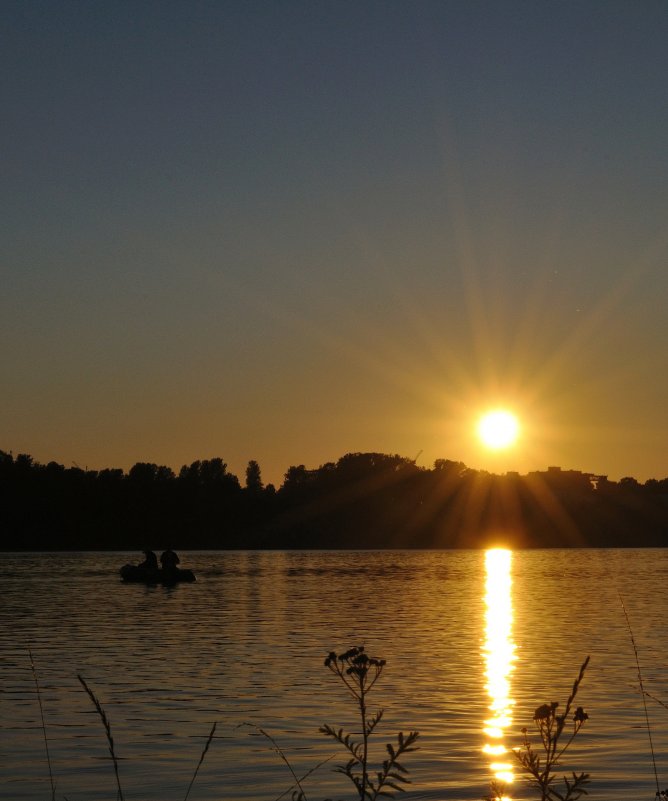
[498, 429]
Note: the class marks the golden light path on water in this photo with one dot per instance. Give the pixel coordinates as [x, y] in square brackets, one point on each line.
[499, 654]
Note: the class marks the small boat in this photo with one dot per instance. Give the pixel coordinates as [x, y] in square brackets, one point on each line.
[135, 574]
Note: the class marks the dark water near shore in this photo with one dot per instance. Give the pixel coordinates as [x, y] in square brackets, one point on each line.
[246, 644]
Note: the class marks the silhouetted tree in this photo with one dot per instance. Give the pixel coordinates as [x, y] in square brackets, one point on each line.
[364, 500]
[253, 477]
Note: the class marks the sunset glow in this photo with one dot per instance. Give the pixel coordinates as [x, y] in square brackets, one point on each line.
[498, 429]
[225, 252]
[360, 309]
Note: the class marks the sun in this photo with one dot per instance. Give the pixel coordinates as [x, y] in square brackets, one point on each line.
[498, 429]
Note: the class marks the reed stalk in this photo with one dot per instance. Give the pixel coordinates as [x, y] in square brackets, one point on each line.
[41, 713]
[643, 694]
[201, 759]
[107, 727]
[279, 751]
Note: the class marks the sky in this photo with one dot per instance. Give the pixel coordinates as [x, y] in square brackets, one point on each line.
[286, 231]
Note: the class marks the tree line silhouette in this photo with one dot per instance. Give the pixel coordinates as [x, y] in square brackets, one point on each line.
[364, 500]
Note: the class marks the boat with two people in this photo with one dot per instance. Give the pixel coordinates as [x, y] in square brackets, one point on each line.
[149, 572]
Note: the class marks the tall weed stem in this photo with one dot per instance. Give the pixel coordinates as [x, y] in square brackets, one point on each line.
[107, 728]
[540, 768]
[41, 713]
[359, 673]
[642, 693]
[201, 759]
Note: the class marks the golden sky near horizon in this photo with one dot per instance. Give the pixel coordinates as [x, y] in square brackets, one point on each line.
[285, 233]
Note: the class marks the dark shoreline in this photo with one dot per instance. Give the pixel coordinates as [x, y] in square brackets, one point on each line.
[364, 501]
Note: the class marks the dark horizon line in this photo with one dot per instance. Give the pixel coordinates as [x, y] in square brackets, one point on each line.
[554, 469]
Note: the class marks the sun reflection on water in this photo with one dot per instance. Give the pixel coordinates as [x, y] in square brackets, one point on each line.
[499, 654]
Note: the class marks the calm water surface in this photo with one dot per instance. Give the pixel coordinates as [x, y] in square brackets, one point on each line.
[473, 643]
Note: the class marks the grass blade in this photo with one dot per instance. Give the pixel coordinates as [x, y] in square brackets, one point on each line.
[278, 750]
[107, 729]
[41, 713]
[201, 759]
[642, 693]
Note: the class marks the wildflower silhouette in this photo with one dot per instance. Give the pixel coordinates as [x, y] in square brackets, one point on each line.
[359, 673]
[540, 770]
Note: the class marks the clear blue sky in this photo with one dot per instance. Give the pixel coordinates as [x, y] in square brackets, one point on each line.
[285, 231]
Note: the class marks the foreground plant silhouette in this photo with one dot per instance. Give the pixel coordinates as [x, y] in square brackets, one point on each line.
[107, 728]
[659, 793]
[41, 714]
[540, 768]
[110, 741]
[359, 672]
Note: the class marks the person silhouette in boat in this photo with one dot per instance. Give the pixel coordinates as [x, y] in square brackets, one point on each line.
[150, 562]
[169, 561]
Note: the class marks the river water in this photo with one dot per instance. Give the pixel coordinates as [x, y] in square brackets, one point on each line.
[474, 641]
